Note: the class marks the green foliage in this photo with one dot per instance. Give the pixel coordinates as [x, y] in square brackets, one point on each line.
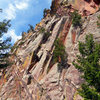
[76, 19]
[59, 50]
[14, 47]
[45, 33]
[4, 27]
[42, 30]
[88, 62]
[31, 28]
[45, 12]
[4, 44]
[21, 43]
[17, 46]
[59, 55]
[45, 36]
[89, 93]
[98, 22]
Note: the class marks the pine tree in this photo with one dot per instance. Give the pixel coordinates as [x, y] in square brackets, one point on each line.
[44, 12]
[76, 19]
[60, 55]
[88, 62]
[4, 44]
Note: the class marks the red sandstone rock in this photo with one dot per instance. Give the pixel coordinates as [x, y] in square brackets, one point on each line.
[46, 83]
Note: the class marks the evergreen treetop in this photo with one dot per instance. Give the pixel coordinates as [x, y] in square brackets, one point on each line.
[4, 44]
[88, 62]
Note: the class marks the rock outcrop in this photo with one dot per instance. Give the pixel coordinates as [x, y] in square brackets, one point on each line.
[34, 76]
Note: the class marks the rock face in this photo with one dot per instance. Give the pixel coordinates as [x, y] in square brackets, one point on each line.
[85, 7]
[34, 76]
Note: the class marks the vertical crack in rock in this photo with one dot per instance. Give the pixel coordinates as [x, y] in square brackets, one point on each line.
[47, 48]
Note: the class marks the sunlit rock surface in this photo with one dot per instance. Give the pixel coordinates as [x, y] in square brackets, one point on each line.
[33, 76]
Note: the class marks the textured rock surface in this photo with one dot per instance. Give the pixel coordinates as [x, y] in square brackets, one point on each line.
[33, 76]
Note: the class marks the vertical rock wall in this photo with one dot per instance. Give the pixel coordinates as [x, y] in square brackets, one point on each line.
[33, 76]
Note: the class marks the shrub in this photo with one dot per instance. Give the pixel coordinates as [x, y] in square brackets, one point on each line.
[21, 43]
[45, 33]
[42, 30]
[45, 12]
[59, 55]
[76, 19]
[98, 22]
[88, 62]
[31, 28]
[46, 36]
[14, 47]
[59, 50]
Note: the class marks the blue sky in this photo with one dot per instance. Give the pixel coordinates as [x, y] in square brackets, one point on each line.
[21, 13]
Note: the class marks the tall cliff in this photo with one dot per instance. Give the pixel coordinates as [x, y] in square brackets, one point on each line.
[34, 75]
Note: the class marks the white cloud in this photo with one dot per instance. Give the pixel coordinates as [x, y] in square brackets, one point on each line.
[10, 12]
[22, 5]
[11, 33]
